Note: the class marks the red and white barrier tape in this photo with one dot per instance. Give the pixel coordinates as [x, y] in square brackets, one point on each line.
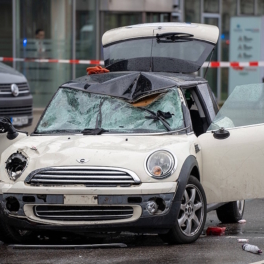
[213, 64]
[93, 62]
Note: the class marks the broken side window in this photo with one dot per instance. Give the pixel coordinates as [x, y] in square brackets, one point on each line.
[244, 107]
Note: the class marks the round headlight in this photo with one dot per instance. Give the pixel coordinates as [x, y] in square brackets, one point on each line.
[161, 164]
[15, 165]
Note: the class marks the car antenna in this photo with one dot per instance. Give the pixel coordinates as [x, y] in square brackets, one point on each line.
[209, 62]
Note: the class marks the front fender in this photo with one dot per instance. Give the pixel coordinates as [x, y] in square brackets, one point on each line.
[185, 173]
[5, 142]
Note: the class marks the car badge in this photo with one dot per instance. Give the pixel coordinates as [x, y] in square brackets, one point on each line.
[82, 160]
[14, 89]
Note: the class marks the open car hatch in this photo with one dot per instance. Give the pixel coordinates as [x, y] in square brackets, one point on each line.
[166, 47]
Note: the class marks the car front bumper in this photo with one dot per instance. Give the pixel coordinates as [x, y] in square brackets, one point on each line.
[26, 217]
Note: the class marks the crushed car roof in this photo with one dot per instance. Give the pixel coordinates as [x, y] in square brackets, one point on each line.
[132, 86]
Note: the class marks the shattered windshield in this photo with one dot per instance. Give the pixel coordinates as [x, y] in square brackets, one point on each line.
[73, 110]
[244, 107]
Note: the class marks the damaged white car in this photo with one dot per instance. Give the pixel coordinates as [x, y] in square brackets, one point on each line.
[133, 149]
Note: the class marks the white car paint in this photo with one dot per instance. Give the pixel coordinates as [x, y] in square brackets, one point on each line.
[199, 31]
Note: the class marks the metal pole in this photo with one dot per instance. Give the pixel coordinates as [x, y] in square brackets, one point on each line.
[182, 10]
[73, 57]
[219, 70]
[14, 31]
[238, 7]
[97, 28]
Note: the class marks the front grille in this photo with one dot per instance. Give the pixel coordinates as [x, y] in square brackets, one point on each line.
[88, 176]
[87, 213]
[16, 111]
[5, 89]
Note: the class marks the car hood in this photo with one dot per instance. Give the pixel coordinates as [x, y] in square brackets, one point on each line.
[9, 75]
[129, 152]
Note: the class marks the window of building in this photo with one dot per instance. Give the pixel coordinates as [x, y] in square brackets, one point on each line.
[85, 34]
[6, 29]
[260, 9]
[114, 20]
[158, 17]
[192, 11]
[211, 6]
[229, 9]
[247, 7]
[44, 32]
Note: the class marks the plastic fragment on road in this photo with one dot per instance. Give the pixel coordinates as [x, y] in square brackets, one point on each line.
[215, 231]
[251, 248]
[242, 240]
[242, 221]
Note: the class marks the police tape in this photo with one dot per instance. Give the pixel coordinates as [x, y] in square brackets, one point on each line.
[212, 64]
[87, 62]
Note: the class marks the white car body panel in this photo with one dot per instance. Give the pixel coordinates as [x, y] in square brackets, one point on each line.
[233, 168]
[128, 152]
[199, 31]
[5, 143]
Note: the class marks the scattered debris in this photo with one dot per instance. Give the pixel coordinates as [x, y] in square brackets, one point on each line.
[242, 221]
[251, 248]
[242, 240]
[34, 148]
[215, 231]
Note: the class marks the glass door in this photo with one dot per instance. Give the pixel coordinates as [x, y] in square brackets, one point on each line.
[213, 74]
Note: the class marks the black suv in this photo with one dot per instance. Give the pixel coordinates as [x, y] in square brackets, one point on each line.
[15, 97]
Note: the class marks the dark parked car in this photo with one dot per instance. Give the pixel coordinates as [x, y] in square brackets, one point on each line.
[15, 98]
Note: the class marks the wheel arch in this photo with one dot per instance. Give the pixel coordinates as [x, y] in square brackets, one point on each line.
[195, 172]
[189, 167]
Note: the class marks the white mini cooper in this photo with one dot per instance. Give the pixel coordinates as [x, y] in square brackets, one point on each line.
[142, 148]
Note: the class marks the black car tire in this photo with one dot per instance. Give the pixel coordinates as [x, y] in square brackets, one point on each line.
[9, 234]
[192, 215]
[231, 212]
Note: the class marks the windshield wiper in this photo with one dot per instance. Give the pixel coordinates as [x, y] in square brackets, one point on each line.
[159, 116]
[93, 131]
[97, 130]
[173, 37]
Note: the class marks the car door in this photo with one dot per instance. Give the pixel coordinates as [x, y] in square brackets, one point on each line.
[233, 157]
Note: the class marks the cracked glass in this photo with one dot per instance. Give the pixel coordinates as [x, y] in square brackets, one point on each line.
[73, 110]
[244, 107]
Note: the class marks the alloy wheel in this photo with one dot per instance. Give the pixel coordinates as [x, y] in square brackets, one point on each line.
[191, 212]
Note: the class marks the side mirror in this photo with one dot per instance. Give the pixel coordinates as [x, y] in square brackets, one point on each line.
[6, 126]
[221, 133]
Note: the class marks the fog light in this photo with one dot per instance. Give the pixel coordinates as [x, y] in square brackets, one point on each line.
[152, 207]
[12, 204]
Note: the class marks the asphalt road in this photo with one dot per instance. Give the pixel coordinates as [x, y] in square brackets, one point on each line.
[150, 249]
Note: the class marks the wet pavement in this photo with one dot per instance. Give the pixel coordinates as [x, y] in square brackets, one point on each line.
[150, 248]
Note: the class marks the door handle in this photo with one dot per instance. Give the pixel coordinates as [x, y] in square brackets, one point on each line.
[221, 133]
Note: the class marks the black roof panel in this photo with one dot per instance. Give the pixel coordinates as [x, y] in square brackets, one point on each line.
[131, 86]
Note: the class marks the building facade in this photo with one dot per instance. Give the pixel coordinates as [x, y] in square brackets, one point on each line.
[73, 30]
